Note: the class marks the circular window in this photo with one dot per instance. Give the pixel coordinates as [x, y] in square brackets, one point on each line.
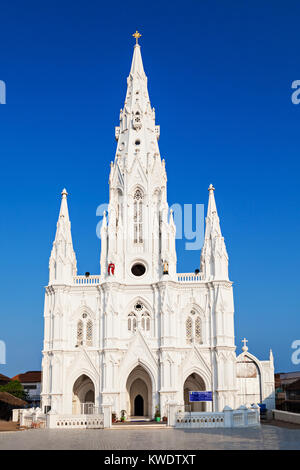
[138, 269]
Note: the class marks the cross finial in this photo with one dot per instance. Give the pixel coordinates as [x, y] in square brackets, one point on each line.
[245, 348]
[137, 35]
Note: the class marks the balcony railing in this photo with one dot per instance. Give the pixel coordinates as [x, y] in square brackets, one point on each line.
[87, 280]
[95, 278]
[189, 277]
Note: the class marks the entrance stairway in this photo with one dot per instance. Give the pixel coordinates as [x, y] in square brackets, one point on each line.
[138, 419]
[139, 422]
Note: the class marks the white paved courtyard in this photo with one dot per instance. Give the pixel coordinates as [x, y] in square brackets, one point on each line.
[265, 437]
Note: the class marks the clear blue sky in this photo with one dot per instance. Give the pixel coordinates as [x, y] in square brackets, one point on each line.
[220, 75]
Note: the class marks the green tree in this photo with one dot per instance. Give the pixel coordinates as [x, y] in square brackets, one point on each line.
[15, 388]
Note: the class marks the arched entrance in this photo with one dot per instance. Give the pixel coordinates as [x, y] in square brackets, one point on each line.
[248, 380]
[139, 393]
[83, 396]
[193, 383]
[138, 406]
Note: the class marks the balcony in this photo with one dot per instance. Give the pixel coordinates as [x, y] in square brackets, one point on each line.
[95, 279]
[189, 277]
[87, 280]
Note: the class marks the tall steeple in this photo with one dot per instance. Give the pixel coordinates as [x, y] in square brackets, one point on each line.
[62, 263]
[137, 134]
[214, 257]
[138, 211]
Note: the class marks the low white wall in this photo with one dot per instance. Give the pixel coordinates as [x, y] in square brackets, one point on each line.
[16, 414]
[82, 421]
[228, 418]
[30, 417]
[286, 416]
[75, 421]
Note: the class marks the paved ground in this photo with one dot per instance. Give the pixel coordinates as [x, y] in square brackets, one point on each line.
[265, 437]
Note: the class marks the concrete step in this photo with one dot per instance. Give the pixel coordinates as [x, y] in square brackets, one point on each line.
[141, 425]
[138, 419]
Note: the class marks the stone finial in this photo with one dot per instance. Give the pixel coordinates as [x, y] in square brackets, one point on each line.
[211, 188]
[137, 36]
[245, 347]
[64, 192]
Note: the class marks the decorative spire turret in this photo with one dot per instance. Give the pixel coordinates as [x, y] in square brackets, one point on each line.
[103, 236]
[214, 257]
[62, 263]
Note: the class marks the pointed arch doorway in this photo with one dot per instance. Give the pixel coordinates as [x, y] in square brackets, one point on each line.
[139, 393]
[83, 400]
[193, 383]
[139, 406]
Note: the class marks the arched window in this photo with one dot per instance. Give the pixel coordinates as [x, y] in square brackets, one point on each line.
[139, 317]
[132, 322]
[193, 326]
[89, 333]
[138, 216]
[198, 332]
[80, 332]
[189, 330]
[85, 331]
[145, 321]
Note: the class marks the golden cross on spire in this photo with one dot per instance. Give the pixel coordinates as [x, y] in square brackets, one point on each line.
[137, 35]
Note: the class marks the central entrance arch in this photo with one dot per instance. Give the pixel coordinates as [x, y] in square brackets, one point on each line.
[139, 393]
[138, 406]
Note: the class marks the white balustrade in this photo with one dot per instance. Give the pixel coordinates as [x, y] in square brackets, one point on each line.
[96, 279]
[228, 418]
[238, 419]
[189, 277]
[77, 422]
[252, 417]
[87, 280]
[199, 420]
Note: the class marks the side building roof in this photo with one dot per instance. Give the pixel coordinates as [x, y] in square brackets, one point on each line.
[32, 376]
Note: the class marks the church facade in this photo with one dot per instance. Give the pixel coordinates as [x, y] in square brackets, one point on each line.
[141, 335]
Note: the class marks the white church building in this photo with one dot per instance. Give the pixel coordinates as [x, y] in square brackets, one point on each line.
[140, 335]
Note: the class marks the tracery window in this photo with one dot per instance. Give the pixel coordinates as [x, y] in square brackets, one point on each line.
[79, 332]
[138, 216]
[193, 326]
[145, 324]
[132, 322]
[198, 333]
[89, 333]
[140, 317]
[84, 331]
[189, 330]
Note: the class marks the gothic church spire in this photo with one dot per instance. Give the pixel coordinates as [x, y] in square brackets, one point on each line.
[214, 257]
[62, 263]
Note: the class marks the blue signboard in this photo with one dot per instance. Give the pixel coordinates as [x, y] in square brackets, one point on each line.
[200, 396]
